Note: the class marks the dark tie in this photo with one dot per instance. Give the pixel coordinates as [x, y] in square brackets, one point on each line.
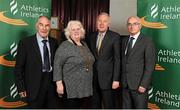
[129, 46]
[46, 65]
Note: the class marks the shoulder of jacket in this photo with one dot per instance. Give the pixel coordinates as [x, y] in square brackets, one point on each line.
[113, 33]
[27, 39]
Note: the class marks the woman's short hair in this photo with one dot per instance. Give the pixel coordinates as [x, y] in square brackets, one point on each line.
[67, 30]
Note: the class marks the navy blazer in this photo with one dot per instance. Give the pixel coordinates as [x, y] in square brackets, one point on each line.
[28, 68]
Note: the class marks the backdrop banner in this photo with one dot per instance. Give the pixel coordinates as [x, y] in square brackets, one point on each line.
[17, 20]
[161, 21]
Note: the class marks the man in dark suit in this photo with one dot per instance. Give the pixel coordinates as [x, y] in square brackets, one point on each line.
[33, 69]
[105, 46]
[138, 58]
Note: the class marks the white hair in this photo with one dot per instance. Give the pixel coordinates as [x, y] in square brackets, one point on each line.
[70, 24]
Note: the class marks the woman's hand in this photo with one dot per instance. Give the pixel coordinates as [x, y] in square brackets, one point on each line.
[60, 88]
[115, 84]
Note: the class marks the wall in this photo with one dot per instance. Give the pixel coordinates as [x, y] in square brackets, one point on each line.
[120, 10]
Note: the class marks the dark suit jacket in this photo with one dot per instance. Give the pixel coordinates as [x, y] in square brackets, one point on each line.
[28, 68]
[138, 67]
[107, 64]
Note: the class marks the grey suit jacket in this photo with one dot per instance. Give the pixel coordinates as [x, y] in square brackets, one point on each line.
[138, 67]
[107, 63]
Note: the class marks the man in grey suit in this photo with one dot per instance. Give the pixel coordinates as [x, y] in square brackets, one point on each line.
[105, 46]
[138, 58]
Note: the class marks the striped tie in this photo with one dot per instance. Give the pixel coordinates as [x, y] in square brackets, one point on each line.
[99, 42]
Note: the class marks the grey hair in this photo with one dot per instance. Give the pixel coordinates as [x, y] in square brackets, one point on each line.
[136, 17]
[68, 28]
[105, 14]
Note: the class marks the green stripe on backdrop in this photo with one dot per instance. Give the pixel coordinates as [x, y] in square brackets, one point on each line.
[161, 21]
[17, 20]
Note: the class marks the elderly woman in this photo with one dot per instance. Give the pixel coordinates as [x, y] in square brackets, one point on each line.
[73, 67]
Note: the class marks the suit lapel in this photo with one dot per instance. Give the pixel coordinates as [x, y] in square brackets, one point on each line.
[125, 44]
[36, 48]
[51, 48]
[138, 41]
[94, 38]
[104, 41]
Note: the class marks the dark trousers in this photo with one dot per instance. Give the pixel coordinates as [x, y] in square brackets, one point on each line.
[103, 98]
[47, 96]
[77, 103]
[132, 99]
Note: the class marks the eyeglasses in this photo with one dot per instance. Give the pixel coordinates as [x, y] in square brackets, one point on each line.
[133, 24]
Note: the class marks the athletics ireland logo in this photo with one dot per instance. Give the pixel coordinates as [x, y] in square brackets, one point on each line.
[7, 60]
[152, 105]
[13, 10]
[13, 5]
[13, 94]
[154, 11]
[4, 58]
[153, 15]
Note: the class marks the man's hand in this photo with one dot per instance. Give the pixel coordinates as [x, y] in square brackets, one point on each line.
[115, 84]
[23, 94]
[141, 89]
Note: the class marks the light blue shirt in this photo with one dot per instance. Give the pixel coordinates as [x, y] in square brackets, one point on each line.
[40, 43]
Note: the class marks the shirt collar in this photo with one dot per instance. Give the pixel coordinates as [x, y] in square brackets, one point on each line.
[40, 39]
[103, 34]
[135, 36]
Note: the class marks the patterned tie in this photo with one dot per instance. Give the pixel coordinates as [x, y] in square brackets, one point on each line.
[129, 46]
[46, 65]
[99, 42]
